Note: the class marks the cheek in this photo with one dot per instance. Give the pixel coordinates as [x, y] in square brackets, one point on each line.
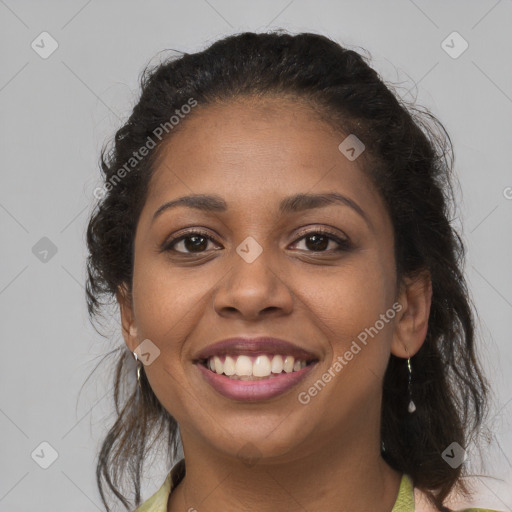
[170, 306]
[352, 312]
[345, 309]
[167, 301]
[348, 300]
[166, 309]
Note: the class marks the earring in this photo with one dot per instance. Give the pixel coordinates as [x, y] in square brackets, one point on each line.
[412, 407]
[138, 369]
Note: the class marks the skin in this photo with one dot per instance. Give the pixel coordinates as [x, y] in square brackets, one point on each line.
[321, 456]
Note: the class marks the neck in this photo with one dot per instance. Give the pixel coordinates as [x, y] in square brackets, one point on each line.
[338, 477]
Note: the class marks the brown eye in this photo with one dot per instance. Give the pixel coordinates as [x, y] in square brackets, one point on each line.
[319, 241]
[194, 242]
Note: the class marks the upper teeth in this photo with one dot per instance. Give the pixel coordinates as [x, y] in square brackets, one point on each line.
[258, 366]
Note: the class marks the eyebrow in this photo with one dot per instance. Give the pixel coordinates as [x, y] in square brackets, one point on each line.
[291, 204]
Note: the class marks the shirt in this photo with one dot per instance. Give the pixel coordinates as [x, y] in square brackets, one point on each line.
[158, 501]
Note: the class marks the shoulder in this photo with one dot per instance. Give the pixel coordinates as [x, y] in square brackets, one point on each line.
[476, 510]
[158, 501]
[422, 504]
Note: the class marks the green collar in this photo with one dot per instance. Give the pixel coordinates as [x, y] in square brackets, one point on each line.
[405, 499]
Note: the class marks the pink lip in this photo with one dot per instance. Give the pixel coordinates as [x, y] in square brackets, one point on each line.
[254, 346]
[247, 390]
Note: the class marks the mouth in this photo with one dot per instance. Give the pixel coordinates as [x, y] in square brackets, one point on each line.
[257, 369]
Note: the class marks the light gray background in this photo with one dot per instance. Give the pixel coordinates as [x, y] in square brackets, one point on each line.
[57, 112]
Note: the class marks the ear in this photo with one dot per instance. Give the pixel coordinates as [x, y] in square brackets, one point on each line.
[129, 328]
[412, 321]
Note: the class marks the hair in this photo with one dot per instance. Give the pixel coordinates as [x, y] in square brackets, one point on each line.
[409, 159]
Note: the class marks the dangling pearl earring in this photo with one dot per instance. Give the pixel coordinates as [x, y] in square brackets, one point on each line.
[138, 369]
[412, 407]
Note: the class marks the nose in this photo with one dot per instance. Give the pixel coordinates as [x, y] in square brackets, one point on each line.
[252, 290]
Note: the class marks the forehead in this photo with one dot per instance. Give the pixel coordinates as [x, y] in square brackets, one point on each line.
[254, 149]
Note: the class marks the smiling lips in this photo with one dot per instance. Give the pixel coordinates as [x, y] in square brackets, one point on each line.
[254, 369]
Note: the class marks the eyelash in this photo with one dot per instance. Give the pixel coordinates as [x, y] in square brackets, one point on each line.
[344, 245]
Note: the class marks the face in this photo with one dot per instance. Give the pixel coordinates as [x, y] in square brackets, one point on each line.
[318, 277]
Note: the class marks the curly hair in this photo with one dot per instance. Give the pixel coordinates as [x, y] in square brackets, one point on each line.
[408, 157]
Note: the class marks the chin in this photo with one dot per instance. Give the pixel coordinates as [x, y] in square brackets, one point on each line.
[268, 441]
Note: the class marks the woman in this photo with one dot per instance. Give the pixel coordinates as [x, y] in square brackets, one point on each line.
[274, 225]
